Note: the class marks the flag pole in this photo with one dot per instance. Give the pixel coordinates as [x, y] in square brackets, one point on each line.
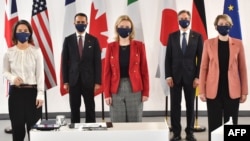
[166, 113]
[197, 127]
[103, 119]
[45, 105]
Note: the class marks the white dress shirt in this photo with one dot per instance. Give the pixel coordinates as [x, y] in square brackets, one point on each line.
[26, 64]
[187, 36]
[83, 37]
[181, 37]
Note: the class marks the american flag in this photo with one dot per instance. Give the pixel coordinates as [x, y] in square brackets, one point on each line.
[40, 25]
[11, 18]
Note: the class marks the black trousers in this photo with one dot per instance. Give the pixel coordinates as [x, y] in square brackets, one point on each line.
[176, 97]
[23, 111]
[75, 94]
[221, 106]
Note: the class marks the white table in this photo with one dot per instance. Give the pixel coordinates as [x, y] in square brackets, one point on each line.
[138, 131]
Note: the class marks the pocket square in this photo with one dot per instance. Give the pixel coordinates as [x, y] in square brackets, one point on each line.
[90, 46]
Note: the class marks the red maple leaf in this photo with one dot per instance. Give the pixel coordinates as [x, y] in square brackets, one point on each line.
[98, 26]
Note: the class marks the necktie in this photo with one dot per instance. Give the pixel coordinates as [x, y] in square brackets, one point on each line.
[80, 46]
[184, 42]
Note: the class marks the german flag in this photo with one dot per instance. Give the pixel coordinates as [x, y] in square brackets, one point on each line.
[199, 18]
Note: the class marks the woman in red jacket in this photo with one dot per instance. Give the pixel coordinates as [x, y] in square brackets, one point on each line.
[126, 76]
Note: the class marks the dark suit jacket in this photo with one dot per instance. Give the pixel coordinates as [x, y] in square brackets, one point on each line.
[179, 65]
[88, 66]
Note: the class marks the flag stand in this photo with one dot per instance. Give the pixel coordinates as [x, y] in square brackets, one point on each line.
[8, 130]
[103, 119]
[45, 105]
[46, 120]
[197, 127]
[166, 114]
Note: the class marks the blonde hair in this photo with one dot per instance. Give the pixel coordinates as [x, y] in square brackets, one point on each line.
[118, 21]
[225, 17]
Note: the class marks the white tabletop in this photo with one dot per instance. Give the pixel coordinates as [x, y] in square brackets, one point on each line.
[144, 131]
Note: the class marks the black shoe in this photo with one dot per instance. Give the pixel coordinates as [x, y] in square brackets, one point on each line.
[8, 130]
[190, 138]
[176, 138]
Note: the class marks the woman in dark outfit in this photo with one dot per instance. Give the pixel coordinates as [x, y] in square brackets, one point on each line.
[223, 75]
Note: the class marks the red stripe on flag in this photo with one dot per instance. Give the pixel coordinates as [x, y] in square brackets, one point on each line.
[168, 24]
[45, 55]
[48, 85]
[41, 32]
[44, 29]
[199, 18]
[8, 30]
[10, 20]
[98, 25]
[42, 45]
[62, 90]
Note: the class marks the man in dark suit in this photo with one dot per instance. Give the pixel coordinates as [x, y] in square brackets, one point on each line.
[81, 69]
[182, 65]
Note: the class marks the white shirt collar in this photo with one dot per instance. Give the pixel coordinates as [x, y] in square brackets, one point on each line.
[83, 34]
[187, 31]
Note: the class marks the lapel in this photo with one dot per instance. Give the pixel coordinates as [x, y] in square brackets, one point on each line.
[86, 45]
[86, 41]
[115, 52]
[232, 50]
[177, 40]
[133, 53]
[214, 50]
[75, 45]
[190, 39]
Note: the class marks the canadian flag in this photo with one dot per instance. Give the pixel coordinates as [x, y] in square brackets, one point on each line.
[98, 28]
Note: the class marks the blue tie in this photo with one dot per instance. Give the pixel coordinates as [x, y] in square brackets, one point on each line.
[184, 42]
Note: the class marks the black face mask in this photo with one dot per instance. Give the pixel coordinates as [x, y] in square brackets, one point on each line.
[22, 36]
[124, 32]
[184, 23]
[223, 30]
[80, 27]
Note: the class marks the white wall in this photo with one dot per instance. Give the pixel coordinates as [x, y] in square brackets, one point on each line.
[151, 15]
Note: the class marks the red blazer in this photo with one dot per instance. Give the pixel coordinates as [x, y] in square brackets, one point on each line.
[138, 69]
[237, 71]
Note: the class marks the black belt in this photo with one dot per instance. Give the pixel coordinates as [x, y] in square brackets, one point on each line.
[24, 86]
